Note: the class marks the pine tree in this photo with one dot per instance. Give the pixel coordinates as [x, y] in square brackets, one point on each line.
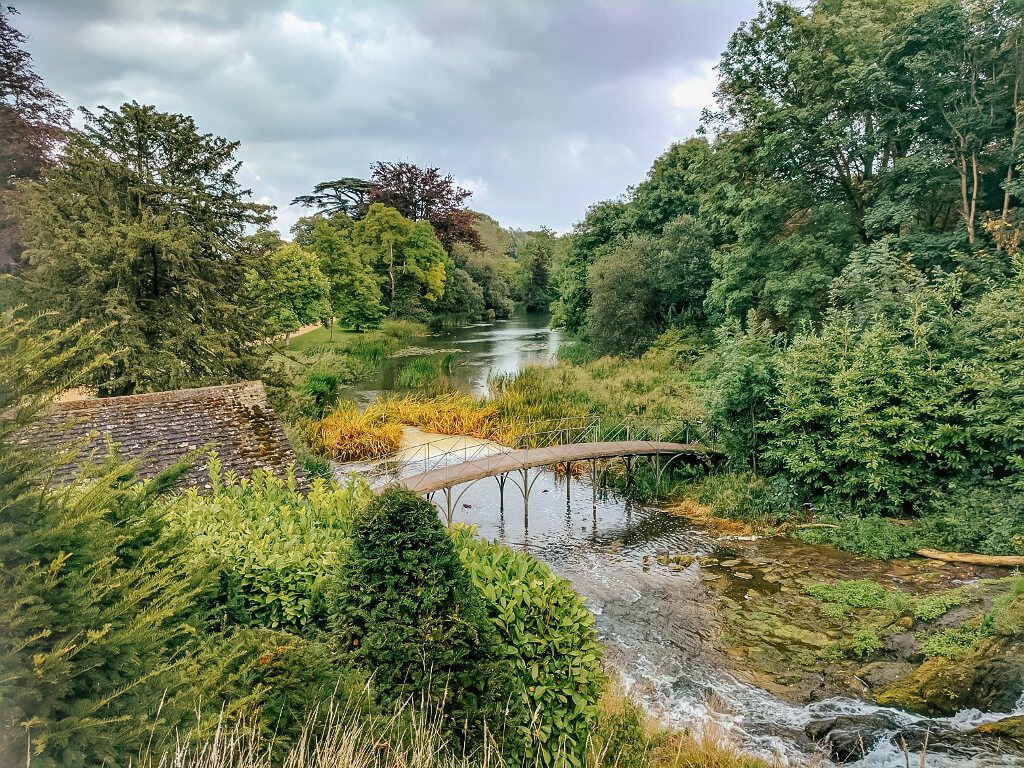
[92, 604]
[141, 226]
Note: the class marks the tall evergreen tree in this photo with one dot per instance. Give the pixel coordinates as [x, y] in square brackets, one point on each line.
[141, 226]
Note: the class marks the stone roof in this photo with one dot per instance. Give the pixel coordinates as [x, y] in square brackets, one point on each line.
[158, 428]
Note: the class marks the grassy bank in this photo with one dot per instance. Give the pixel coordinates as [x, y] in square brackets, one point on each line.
[347, 737]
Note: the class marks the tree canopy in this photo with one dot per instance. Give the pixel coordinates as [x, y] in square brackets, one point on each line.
[140, 227]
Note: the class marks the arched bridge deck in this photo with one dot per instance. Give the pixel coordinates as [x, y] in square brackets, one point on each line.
[501, 463]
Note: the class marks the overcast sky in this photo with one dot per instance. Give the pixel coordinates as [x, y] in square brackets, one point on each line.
[539, 108]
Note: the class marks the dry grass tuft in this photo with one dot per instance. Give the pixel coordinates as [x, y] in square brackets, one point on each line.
[347, 435]
[702, 515]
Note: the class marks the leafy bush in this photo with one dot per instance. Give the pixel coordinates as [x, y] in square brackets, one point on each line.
[861, 593]
[404, 606]
[275, 545]
[550, 637]
[933, 606]
[285, 681]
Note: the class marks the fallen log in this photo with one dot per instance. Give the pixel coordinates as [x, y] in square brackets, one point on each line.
[1007, 561]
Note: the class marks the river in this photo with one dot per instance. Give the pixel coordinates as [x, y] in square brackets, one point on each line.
[663, 627]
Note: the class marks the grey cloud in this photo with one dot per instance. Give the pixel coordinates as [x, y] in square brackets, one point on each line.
[549, 106]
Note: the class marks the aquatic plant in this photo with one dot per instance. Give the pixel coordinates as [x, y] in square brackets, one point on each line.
[345, 434]
[859, 593]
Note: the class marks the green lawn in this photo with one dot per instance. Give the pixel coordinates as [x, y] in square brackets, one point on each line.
[319, 338]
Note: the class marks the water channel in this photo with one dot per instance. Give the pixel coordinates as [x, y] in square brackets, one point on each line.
[662, 627]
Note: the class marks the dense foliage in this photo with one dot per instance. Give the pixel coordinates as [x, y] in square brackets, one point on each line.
[404, 607]
[843, 238]
[94, 598]
[140, 226]
[549, 635]
[274, 547]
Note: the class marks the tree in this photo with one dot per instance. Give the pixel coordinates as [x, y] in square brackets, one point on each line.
[295, 292]
[32, 123]
[406, 254]
[953, 52]
[536, 295]
[423, 194]
[349, 196]
[354, 288]
[622, 317]
[142, 227]
[592, 238]
[95, 602]
[404, 605]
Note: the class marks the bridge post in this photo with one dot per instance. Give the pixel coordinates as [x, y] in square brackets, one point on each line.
[526, 495]
[568, 479]
[501, 490]
[593, 481]
[448, 499]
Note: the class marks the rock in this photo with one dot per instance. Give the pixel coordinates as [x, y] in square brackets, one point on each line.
[684, 560]
[990, 679]
[730, 563]
[901, 643]
[751, 594]
[1011, 728]
[881, 673]
[676, 567]
[904, 622]
[742, 575]
[849, 737]
[790, 634]
[710, 576]
[705, 561]
[662, 559]
[771, 578]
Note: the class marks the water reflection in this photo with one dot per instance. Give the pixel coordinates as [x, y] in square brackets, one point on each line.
[481, 350]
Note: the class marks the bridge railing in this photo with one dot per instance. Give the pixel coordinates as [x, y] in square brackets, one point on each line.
[440, 453]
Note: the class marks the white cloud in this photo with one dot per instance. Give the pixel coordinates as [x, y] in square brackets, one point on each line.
[540, 108]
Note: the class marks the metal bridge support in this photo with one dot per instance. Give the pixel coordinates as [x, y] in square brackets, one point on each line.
[593, 482]
[501, 490]
[568, 480]
[448, 502]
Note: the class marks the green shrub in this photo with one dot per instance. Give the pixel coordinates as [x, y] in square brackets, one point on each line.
[620, 738]
[933, 606]
[405, 608]
[952, 643]
[284, 679]
[276, 546]
[575, 353]
[861, 593]
[96, 606]
[549, 635]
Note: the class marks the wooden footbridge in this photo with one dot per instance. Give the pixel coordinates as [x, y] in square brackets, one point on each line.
[563, 442]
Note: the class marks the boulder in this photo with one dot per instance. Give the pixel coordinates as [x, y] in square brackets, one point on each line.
[990, 679]
[850, 737]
